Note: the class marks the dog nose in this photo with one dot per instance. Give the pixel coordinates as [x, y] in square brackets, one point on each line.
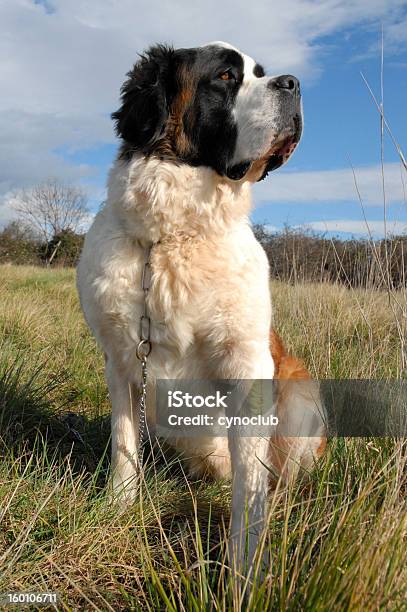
[285, 81]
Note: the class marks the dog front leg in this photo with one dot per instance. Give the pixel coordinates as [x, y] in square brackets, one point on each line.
[249, 473]
[125, 428]
[249, 498]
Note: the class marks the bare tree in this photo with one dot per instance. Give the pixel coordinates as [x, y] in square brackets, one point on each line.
[51, 208]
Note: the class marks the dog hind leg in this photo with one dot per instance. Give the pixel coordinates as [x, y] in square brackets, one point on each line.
[301, 413]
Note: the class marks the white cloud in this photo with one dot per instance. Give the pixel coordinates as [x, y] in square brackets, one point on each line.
[62, 64]
[334, 186]
[73, 60]
[394, 39]
[358, 228]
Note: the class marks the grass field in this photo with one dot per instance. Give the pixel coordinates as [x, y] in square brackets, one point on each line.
[337, 542]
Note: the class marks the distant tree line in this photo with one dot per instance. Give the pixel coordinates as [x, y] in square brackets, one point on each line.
[305, 256]
[49, 230]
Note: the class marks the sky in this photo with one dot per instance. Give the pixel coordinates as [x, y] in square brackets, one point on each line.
[62, 63]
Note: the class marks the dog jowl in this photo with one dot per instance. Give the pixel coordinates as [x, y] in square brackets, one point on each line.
[210, 106]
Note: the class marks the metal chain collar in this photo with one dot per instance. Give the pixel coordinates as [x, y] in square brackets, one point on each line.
[144, 349]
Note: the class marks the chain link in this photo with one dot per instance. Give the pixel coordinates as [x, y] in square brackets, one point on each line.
[143, 350]
[142, 409]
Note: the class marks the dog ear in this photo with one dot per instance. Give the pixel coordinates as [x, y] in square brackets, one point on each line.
[142, 116]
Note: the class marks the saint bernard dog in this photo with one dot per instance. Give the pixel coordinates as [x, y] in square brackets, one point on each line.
[198, 126]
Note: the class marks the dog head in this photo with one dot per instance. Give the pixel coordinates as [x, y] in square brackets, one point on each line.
[209, 106]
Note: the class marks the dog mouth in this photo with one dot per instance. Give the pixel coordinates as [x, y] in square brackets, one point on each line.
[278, 154]
[282, 149]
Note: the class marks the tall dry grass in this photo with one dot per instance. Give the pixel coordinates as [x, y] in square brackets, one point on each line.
[336, 541]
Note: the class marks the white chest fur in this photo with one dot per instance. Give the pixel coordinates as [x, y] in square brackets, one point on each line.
[210, 276]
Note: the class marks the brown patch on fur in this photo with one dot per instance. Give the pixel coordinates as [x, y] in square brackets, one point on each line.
[292, 368]
[277, 350]
[181, 103]
[321, 448]
[175, 142]
[286, 366]
[287, 370]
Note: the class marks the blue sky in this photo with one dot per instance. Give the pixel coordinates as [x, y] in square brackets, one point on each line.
[62, 63]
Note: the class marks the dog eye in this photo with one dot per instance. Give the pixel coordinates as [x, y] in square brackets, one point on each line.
[227, 76]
